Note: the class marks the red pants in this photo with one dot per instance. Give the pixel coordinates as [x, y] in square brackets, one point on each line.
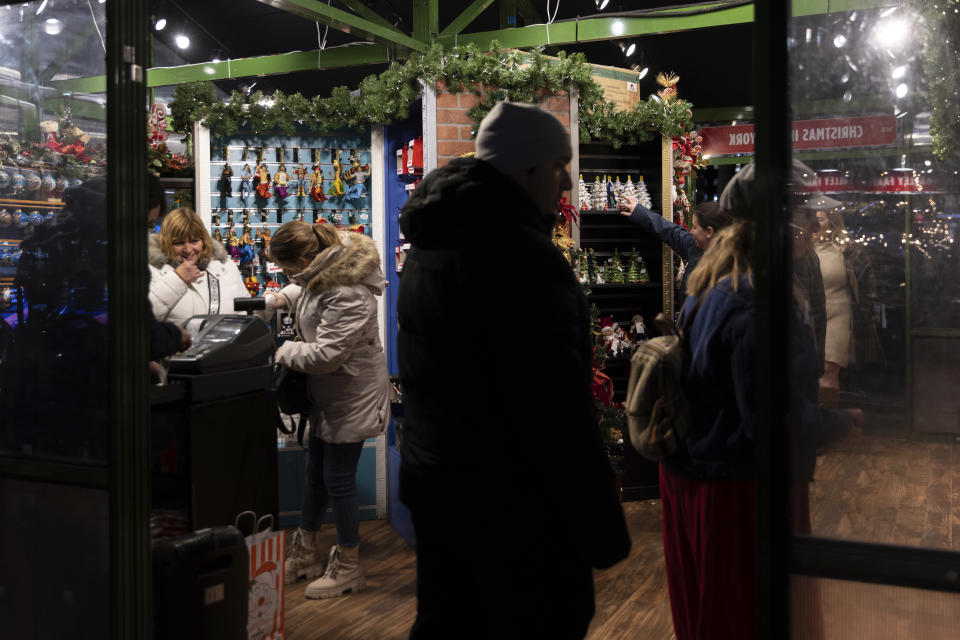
[708, 544]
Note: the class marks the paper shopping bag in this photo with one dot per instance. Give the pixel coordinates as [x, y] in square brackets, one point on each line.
[267, 552]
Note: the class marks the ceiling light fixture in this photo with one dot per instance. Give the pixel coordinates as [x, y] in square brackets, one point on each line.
[52, 26]
[159, 24]
[628, 48]
[182, 41]
[899, 72]
[891, 33]
[601, 4]
[40, 9]
[902, 90]
[839, 41]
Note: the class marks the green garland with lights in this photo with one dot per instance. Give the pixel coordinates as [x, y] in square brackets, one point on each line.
[381, 99]
[941, 51]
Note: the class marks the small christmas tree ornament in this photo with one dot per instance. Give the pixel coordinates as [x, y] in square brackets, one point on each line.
[644, 274]
[583, 194]
[592, 268]
[618, 272]
[629, 190]
[643, 196]
[597, 194]
[633, 269]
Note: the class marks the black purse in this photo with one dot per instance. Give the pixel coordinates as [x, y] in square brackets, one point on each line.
[290, 390]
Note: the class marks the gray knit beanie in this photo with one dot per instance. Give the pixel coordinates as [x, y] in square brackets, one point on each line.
[516, 136]
[737, 197]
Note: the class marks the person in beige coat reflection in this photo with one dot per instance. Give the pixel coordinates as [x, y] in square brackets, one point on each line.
[336, 279]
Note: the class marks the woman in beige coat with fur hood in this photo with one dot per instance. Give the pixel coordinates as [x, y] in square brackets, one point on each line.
[336, 277]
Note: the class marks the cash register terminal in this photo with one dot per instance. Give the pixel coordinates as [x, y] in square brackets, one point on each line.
[224, 342]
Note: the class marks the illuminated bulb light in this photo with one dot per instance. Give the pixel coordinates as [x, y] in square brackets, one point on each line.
[52, 26]
[891, 33]
[160, 24]
[182, 41]
[839, 41]
[902, 90]
[899, 72]
[618, 28]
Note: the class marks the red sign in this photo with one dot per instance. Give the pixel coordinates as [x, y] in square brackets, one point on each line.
[888, 182]
[826, 133]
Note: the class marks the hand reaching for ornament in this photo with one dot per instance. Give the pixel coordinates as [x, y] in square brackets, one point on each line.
[626, 205]
[189, 271]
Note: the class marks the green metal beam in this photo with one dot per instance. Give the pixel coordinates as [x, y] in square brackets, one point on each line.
[426, 20]
[469, 14]
[317, 11]
[367, 13]
[657, 22]
[243, 68]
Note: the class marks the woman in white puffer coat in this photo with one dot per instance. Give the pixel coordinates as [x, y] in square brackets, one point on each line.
[190, 274]
[336, 280]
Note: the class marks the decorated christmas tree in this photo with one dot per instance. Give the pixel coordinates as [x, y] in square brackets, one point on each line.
[629, 189]
[642, 195]
[592, 268]
[633, 270]
[583, 266]
[618, 188]
[584, 194]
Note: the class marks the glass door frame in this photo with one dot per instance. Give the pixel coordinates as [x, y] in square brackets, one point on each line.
[779, 553]
[126, 476]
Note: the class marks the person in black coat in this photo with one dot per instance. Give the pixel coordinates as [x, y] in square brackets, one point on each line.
[512, 495]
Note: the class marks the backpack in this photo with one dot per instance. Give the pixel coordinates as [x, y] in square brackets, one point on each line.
[657, 407]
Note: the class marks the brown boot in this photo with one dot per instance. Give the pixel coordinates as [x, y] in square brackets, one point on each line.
[343, 574]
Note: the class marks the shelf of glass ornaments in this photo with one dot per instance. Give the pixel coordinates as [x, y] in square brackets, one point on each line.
[267, 216]
[235, 156]
[15, 215]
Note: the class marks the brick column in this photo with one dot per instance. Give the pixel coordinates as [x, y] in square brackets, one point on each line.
[454, 126]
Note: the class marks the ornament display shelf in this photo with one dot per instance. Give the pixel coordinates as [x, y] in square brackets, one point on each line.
[606, 231]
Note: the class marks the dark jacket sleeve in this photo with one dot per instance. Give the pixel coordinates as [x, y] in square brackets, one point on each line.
[164, 337]
[678, 238]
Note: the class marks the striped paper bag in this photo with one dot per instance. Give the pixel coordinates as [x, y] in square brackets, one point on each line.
[267, 552]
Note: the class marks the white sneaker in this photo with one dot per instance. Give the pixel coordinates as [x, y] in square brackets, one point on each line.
[302, 561]
[343, 574]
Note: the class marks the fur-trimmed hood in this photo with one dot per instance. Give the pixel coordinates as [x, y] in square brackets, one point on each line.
[353, 262]
[157, 258]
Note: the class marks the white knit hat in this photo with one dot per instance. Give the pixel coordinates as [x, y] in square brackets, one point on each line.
[516, 136]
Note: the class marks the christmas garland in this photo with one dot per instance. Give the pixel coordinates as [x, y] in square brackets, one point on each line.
[940, 43]
[381, 99]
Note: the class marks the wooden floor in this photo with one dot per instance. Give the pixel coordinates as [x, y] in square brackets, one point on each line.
[878, 490]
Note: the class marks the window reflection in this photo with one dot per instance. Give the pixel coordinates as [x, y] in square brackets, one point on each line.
[53, 264]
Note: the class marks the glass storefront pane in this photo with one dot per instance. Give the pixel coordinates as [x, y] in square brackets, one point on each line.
[53, 261]
[875, 210]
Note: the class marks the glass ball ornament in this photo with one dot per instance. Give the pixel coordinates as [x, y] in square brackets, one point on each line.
[5, 218]
[18, 181]
[47, 183]
[76, 182]
[35, 218]
[48, 217]
[33, 182]
[61, 184]
[4, 179]
[20, 219]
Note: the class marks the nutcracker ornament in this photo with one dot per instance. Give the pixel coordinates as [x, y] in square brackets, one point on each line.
[245, 175]
[301, 175]
[337, 188]
[357, 175]
[638, 330]
[316, 185]
[233, 244]
[262, 181]
[280, 180]
[223, 184]
[217, 235]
